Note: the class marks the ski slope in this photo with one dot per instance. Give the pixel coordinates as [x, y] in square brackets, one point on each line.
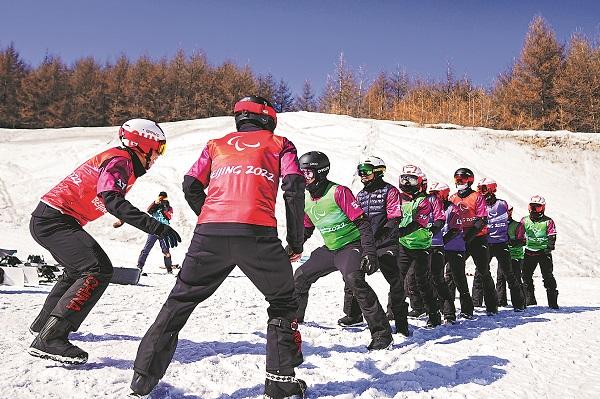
[221, 351]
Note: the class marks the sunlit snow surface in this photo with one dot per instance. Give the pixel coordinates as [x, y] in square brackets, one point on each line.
[539, 353]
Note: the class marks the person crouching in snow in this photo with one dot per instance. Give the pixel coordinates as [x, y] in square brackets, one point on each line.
[98, 186]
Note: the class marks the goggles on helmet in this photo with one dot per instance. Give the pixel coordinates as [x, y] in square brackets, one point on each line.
[483, 189]
[308, 173]
[536, 207]
[365, 169]
[463, 179]
[162, 148]
[409, 180]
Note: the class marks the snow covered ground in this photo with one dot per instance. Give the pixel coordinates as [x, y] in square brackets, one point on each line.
[539, 353]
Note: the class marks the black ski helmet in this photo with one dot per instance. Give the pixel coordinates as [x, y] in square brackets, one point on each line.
[465, 173]
[317, 161]
[257, 110]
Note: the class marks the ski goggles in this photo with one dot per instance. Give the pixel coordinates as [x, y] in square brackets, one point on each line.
[483, 189]
[308, 173]
[162, 148]
[409, 180]
[536, 207]
[365, 170]
[463, 179]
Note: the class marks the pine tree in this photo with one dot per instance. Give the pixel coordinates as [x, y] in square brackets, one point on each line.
[118, 89]
[266, 87]
[578, 87]
[12, 72]
[44, 95]
[283, 100]
[527, 92]
[306, 102]
[88, 94]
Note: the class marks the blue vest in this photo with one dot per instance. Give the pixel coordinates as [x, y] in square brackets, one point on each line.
[497, 222]
[374, 204]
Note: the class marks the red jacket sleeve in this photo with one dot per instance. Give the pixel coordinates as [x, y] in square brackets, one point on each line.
[200, 170]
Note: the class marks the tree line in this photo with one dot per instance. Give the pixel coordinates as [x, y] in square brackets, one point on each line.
[549, 86]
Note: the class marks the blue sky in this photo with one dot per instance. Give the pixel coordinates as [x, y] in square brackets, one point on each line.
[295, 40]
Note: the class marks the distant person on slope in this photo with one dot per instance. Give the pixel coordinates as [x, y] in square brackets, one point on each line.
[236, 226]
[540, 235]
[349, 246]
[516, 244]
[161, 210]
[497, 210]
[97, 186]
[473, 214]
[380, 202]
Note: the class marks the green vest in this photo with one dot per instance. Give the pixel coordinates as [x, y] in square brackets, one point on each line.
[420, 238]
[536, 234]
[517, 251]
[335, 227]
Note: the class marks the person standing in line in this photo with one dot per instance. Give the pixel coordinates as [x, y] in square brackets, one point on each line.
[497, 210]
[236, 226]
[96, 187]
[381, 204]
[473, 214]
[516, 244]
[540, 235]
[349, 246]
[437, 219]
[415, 238]
[454, 254]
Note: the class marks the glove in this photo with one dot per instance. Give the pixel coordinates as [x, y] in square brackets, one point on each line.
[548, 250]
[118, 224]
[293, 254]
[170, 236]
[369, 264]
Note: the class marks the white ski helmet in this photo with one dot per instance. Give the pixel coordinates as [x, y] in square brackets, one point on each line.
[372, 164]
[411, 179]
[143, 134]
[441, 190]
[490, 185]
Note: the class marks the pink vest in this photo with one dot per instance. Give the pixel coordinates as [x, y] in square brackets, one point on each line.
[77, 194]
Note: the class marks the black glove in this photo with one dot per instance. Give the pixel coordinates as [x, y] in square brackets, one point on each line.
[369, 264]
[169, 235]
[548, 250]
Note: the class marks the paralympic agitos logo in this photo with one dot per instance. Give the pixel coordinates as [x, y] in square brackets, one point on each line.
[240, 145]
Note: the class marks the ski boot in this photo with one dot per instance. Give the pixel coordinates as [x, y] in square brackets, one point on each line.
[142, 384]
[38, 323]
[466, 316]
[52, 343]
[349, 321]
[284, 387]
[434, 320]
[401, 320]
[416, 313]
[381, 342]
[552, 299]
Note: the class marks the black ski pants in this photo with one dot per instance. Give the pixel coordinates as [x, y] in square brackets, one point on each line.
[501, 252]
[208, 261]
[436, 277]
[323, 261]
[483, 284]
[517, 266]
[86, 268]
[546, 267]
[456, 279]
[418, 260]
[388, 265]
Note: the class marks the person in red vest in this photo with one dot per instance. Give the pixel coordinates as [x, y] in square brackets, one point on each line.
[96, 187]
[473, 213]
[236, 226]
